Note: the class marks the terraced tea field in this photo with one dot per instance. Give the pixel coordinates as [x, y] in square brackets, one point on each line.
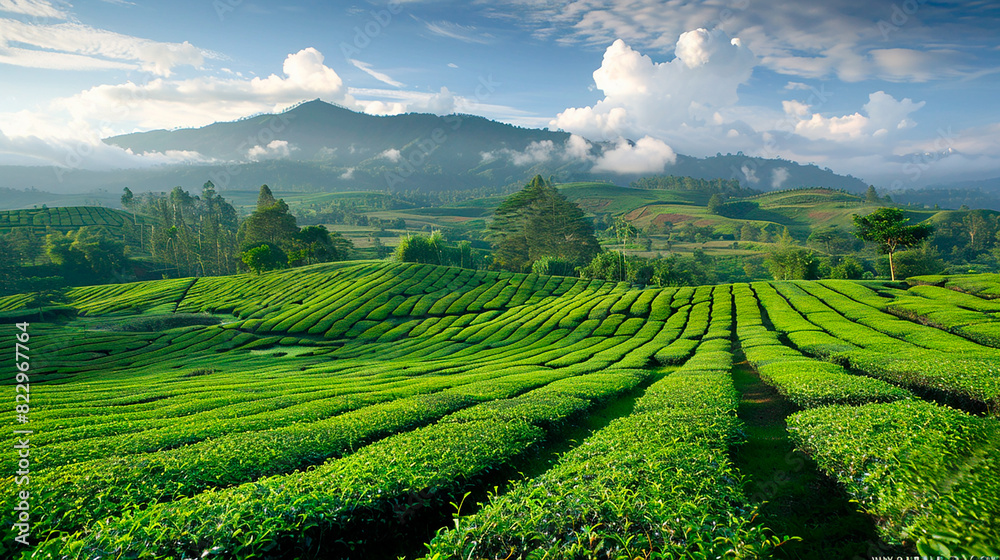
[64, 218]
[374, 410]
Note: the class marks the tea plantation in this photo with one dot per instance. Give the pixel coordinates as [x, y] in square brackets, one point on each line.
[376, 410]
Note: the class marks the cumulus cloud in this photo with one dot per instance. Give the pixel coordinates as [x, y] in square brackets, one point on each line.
[646, 97]
[884, 115]
[440, 103]
[276, 149]
[647, 155]
[162, 103]
[392, 155]
[578, 148]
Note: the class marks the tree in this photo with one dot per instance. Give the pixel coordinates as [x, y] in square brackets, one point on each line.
[419, 249]
[714, 203]
[832, 239]
[264, 257]
[25, 244]
[871, 195]
[786, 261]
[976, 225]
[888, 229]
[128, 199]
[749, 232]
[270, 224]
[319, 245]
[265, 199]
[914, 262]
[537, 222]
[89, 251]
[849, 268]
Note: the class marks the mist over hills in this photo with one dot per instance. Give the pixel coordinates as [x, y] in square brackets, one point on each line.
[317, 146]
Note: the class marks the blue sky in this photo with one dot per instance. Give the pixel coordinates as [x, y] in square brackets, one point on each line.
[899, 93]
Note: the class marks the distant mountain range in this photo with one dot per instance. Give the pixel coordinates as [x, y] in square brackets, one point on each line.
[322, 147]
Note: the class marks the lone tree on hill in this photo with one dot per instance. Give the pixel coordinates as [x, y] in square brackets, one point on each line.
[888, 229]
[270, 223]
[538, 222]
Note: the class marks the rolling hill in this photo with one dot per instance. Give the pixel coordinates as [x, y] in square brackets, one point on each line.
[338, 409]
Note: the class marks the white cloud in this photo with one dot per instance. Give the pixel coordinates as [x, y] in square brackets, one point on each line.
[73, 46]
[795, 108]
[885, 115]
[348, 173]
[885, 112]
[451, 30]
[807, 39]
[367, 68]
[643, 97]
[440, 103]
[34, 8]
[578, 148]
[69, 154]
[276, 149]
[575, 148]
[647, 155]
[200, 101]
[112, 109]
[392, 155]
[750, 174]
[778, 177]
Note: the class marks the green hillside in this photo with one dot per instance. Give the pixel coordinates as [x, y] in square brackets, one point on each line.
[339, 409]
[63, 218]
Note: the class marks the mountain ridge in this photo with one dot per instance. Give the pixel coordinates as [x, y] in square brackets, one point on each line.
[318, 146]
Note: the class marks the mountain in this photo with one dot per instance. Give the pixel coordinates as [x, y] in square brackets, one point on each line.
[316, 146]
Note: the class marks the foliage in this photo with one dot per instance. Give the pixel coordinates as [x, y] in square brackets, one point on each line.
[319, 245]
[786, 261]
[339, 408]
[261, 257]
[729, 187]
[833, 240]
[539, 222]
[270, 223]
[895, 458]
[849, 268]
[887, 228]
[89, 251]
[552, 266]
[915, 262]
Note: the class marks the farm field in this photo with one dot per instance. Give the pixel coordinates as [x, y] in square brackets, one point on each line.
[368, 409]
[64, 218]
